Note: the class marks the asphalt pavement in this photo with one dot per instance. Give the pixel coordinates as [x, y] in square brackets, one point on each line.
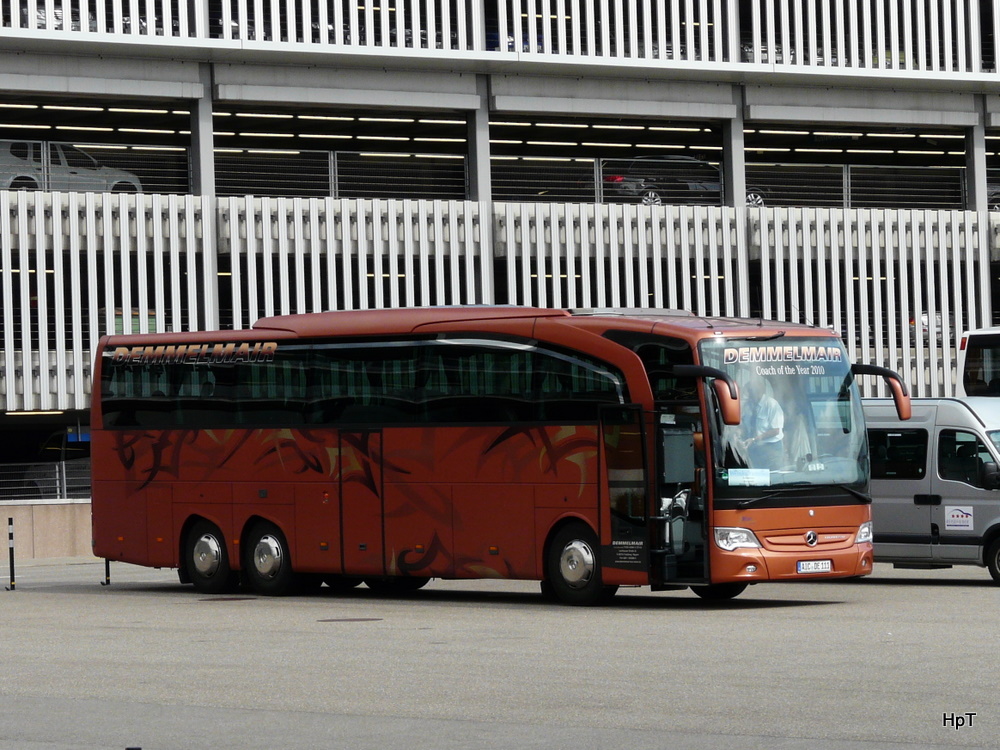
[902, 659]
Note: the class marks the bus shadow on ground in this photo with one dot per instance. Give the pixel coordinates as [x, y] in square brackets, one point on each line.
[988, 583]
[632, 600]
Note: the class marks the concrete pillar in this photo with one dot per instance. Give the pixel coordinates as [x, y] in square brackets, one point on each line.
[734, 157]
[975, 161]
[480, 176]
[202, 141]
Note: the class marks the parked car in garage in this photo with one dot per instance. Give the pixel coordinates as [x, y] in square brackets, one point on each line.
[993, 197]
[35, 165]
[653, 180]
[765, 54]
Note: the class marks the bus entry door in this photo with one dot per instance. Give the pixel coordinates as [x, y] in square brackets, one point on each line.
[627, 495]
[682, 505]
[361, 502]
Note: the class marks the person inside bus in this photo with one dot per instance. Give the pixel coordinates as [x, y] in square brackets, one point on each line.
[761, 426]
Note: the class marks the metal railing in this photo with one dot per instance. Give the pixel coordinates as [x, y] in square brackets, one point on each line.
[45, 482]
[75, 266]
[865, 36]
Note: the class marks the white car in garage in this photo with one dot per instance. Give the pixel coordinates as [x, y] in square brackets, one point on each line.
[35, 165]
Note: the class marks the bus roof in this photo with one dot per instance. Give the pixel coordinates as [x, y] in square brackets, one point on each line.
[396, 320]
[410, 320]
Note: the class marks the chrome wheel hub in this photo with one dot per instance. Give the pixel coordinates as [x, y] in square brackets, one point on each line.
[576, 564]
[207, 555]
[267, 557]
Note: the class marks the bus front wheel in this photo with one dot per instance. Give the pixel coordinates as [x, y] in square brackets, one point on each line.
[718, 592]
[268, 565]
[207, 560]
[573, 567]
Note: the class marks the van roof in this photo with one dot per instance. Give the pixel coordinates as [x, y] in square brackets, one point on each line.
[985, 409]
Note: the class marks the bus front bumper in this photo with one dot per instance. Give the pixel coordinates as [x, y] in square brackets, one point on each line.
[759, 564]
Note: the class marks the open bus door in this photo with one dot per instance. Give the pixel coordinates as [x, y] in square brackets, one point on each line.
[624, 448]
[682, 513]
[665, 538]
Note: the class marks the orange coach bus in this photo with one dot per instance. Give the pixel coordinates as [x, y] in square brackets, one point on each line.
[584, 449]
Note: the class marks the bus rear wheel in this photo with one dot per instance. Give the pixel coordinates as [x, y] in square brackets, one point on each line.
[573, 568]
[268, 565]
[207, 560]
[718, 592]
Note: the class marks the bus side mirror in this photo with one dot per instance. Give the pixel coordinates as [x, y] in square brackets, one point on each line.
[904, 409]
[726, 392]
[900, 396]
[729, 403]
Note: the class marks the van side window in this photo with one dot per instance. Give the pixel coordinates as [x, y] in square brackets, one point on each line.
[898, 454]
[961, 457]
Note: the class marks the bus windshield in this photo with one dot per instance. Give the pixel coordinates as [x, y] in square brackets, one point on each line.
[801, 422]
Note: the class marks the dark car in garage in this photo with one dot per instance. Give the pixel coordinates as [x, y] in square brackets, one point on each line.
[653, 180]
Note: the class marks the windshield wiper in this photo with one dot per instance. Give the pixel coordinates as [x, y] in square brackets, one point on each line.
[798, 487]
[753, 500]
[864, 497]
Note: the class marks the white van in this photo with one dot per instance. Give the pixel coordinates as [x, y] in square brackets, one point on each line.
[935, 484]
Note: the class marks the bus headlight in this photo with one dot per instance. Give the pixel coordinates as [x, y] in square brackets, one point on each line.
[729, 538]
[864, 533]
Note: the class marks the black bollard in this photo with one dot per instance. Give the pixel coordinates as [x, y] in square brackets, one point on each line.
[10, 537]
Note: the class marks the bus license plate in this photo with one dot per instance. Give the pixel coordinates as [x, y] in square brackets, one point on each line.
[815, 566]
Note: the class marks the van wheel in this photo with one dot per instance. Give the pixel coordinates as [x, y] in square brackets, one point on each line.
[993, 560]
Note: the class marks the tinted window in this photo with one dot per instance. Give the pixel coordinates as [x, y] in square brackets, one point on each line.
[376, 383]
[961, 457]
[982, 365]
[898, 454]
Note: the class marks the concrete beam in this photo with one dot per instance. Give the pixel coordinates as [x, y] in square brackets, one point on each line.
[670, 100]
[91, 76]
[991, 105]
[860, 106]
[359, 88]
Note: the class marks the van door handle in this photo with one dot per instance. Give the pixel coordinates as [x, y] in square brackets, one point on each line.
[926, 499]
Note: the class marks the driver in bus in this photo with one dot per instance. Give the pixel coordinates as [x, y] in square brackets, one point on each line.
[762, 426]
